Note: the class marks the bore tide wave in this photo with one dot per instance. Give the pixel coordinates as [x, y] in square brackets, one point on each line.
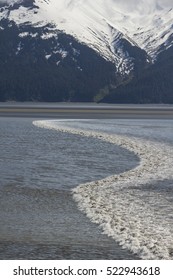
[129, 207]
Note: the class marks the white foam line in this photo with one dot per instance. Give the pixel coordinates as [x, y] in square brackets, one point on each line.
[130, 216]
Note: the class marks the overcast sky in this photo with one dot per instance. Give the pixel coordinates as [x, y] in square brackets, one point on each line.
[147, 2]
[143, 5]
[132, 4]
[7, 1]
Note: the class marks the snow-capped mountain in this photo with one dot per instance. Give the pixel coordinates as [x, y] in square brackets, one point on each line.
[129, 34]
[98, 23]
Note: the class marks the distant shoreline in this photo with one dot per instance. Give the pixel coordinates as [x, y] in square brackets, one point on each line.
[85, 110]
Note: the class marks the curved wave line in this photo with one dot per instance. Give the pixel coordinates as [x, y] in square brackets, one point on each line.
[115, 202]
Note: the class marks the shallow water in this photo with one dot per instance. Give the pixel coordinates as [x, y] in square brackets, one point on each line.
[38, 169]
[134, 208]
[52, 177]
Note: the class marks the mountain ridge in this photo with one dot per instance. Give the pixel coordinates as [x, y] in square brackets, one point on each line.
[130, 40]
[90, 22]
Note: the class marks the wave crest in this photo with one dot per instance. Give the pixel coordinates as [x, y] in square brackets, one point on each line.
[136, 217]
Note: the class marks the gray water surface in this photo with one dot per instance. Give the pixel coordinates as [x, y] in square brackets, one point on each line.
[38, 169]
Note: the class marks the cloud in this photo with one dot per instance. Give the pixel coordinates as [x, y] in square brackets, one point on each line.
[8, 1]
[166, 3]
[143, 6]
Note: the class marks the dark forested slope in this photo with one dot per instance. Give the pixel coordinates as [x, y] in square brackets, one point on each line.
[154, 85]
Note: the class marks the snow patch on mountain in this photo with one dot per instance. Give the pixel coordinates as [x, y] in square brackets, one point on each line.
[101, 23]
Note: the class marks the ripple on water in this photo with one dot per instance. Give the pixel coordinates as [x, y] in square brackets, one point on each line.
[139, 222]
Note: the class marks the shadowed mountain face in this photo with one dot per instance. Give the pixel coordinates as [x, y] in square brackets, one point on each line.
[53, 69]
[87, 51]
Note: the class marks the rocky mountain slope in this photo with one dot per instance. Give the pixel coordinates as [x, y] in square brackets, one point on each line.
[76, 50]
